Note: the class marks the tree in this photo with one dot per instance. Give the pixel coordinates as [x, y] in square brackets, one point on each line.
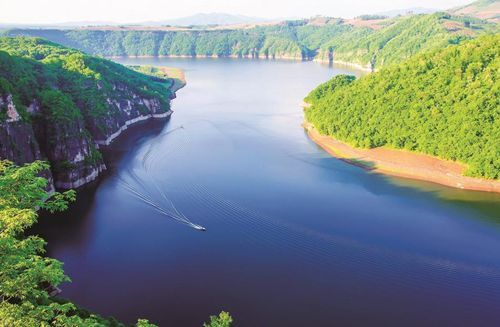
[223, 320]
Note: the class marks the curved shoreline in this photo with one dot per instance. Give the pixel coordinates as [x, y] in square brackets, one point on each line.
[402, 163]
[347, 64]
[316, 59]
[201, 56]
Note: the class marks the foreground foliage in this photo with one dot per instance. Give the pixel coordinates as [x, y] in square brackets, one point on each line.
[445, 103]
[26, 276]
[222, 320]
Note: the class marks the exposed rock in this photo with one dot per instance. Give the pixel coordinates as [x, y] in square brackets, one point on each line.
[60, 112]
[12, 114]
[19, 144]
[34, 107]
[71, 147]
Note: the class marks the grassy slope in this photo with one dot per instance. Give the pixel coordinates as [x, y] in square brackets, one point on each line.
[163, 72]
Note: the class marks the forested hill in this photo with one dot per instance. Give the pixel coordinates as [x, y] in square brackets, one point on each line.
[364, 42]
[58, 104]
[402, 38]
[445, 103]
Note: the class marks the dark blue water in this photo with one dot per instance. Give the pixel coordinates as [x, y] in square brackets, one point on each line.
[294, 237]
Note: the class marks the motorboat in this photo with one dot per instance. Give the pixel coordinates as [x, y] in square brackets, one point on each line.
[200, 228]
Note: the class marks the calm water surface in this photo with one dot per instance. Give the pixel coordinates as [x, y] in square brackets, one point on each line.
[294, 237]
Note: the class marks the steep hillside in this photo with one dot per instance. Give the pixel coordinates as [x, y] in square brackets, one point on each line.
[444, 103]
[59, 104]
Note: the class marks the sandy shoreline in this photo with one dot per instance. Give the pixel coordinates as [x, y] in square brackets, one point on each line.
[403, 164]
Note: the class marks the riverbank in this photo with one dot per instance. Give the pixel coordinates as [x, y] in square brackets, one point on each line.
[346, 64]
[316, 59]
[232, 56]
[403, 163]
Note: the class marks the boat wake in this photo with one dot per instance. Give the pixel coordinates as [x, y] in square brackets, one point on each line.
[144, 188]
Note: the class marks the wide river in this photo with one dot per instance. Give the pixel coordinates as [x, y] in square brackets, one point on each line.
[294, 237]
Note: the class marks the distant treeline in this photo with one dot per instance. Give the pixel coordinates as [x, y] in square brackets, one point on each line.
[395, 40]
[372, 17]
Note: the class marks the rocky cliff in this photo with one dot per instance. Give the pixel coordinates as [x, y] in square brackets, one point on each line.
[63, 110]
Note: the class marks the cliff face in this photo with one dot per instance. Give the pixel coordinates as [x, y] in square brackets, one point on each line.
[17, 138]
[64, 120]
[124, 107]
[72, 148]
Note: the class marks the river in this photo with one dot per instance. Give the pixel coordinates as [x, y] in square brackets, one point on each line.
[293, 236]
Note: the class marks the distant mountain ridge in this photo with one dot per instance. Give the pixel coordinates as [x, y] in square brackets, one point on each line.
[407, 11]
[203, 19]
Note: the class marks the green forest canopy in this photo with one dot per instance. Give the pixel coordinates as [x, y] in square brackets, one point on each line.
[444, 103]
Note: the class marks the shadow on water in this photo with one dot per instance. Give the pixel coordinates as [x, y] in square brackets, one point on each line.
[486, 204]
[73, 227]
[480, 205]
[131, 139]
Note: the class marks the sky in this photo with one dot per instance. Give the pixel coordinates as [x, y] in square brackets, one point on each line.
[133, 11]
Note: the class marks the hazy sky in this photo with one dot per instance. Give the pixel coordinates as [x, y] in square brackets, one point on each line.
[57, 11]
